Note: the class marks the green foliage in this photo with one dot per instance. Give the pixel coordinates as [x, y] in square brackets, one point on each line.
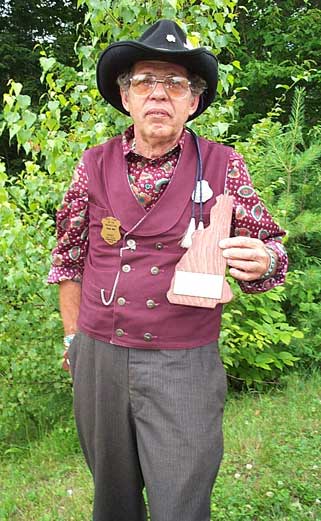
[26, 26]
[256, 336]
[284, 162]
[31, 384]
[263, 334]
[285, 165]
[280, 45]
[303, 307]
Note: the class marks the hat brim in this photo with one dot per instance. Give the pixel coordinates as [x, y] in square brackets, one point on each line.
[120, 56]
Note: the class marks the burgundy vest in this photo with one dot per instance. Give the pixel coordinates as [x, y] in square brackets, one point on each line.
[124, 285]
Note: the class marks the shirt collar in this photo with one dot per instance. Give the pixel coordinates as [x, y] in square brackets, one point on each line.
[128, 142]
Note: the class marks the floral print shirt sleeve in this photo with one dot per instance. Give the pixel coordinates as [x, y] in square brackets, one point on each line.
[251, 219]
[72, 231]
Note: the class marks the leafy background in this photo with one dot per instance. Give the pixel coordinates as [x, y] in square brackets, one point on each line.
[267, 108]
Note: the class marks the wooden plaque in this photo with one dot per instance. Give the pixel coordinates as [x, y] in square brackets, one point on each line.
[199, 278]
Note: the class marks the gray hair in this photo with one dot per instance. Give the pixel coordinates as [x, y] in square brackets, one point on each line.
[198, 85]
[123, 80]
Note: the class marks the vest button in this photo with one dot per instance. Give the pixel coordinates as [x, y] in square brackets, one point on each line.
[131, 244]
[154, 270]
[159, 245]
[121, 301]
[119, 332]
[150, 303]
[148, 337]
[126, 268]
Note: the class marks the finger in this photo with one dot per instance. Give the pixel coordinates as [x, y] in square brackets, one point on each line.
[244, 275]
[246, 266]
[241, 242]
[65, 366]
[251, 254]
[65, 362]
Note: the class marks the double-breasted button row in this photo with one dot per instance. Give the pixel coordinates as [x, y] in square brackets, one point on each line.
[150, 303]
[127, 268]
[131, 243]
[147, 336]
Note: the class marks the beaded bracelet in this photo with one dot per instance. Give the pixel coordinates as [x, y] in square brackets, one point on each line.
[68, 339]
[272, 264]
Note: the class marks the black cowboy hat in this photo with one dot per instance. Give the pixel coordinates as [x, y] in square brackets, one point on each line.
[163, 41]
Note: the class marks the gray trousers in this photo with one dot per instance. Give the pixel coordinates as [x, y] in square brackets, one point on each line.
[153, 419]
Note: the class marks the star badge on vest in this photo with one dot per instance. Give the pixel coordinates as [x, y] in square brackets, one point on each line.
[110, 230]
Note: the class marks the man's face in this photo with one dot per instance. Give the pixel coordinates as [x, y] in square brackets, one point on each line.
[158, 115]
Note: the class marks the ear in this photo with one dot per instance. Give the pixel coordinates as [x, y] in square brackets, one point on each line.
[124, 99]
[194, 104]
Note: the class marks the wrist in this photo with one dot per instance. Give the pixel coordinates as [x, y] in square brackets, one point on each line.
[68, 339]
[272, 266]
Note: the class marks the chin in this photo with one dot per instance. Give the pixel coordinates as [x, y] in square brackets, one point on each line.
[161, 127]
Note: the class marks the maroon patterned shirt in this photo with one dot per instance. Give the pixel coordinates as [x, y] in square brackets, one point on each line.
[148, 179]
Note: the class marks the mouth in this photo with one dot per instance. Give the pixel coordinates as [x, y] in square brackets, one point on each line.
[158, 113]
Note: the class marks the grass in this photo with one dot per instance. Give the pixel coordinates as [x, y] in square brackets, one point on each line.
[271, 469]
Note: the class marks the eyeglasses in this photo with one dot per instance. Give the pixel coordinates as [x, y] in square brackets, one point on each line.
[175, 86]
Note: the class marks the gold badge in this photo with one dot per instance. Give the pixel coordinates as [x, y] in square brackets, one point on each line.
[110, 230]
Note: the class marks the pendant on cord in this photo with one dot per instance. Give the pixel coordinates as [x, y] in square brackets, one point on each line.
[203, 192]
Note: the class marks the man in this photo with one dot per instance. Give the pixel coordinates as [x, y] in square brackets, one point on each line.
[149, 386]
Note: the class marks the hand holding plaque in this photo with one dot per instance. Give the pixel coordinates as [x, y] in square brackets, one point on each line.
[199, 278]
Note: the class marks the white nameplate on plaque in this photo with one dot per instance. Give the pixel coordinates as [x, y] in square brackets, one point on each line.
[194, 284]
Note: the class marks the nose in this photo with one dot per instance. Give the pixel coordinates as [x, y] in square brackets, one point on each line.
[159, 91]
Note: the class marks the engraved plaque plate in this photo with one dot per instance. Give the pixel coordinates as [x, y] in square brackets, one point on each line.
[198, 284]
